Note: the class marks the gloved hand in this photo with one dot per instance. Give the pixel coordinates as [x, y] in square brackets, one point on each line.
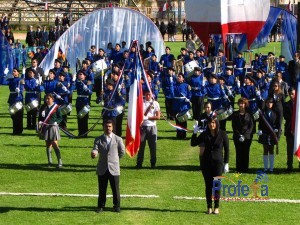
[17, 90]
[23, 70]
[229, 93]
[55, 123]
[145, 117]
[238, 83]
[226, 168]
[259, 133]
[258, 93]
[74, 77]
[64, 88]
[85, 88]
[276, 130]
[37, 81]
[186, 100]
[43, 113]
[196, 128]
[6, 71]
[225, 97]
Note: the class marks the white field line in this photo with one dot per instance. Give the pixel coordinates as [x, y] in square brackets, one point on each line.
[73, 195]
[295, 201]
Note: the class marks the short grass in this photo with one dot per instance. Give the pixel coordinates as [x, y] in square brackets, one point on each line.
[23, 169]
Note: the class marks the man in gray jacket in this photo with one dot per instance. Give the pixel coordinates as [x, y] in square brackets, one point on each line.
[110, 149]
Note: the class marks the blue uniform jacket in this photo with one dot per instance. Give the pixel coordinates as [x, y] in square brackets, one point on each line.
[14, 97]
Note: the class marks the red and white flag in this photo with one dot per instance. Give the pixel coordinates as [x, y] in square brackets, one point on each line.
[46, 6]
[165, 7]
[297, 123]
[135, 107]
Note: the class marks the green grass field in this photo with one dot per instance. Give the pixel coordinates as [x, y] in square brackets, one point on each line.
[23, 169]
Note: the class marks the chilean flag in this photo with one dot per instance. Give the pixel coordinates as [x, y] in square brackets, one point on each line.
[135, 106]
[296, 118]
[227, 16]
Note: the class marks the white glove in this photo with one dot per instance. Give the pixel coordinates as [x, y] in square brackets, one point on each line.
[85, 88]
[37, 82]
[6, 71]
[17, 90]
[40, 79]
[43, 113]
[238, 84]
[23, 70]
[64, 88]
[229, 92]
[276, 130]
[74, 77]
[226, 168]
[258, 93]
[196, 128]
[58, 96]
[225, 96]
[259, 133]
[55, 124]
[186, 100]
[145, 117]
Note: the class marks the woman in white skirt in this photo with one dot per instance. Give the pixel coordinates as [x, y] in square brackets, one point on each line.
[49, 130]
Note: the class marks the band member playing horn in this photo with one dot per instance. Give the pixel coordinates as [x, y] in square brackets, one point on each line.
[181, 104]
[262, 85]
[33, 88]
[197, 82]
[15, 101]
[269, 133]
[51, 117]
[84, 91]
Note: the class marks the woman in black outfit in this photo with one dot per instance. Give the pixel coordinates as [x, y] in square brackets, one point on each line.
[242, 126]
[211, 142]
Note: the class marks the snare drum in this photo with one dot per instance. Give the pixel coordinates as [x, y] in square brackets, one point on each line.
[32, 105]
[66, 108]
[223, 113]
[189, 67]
[15, 108]
[183, 116]
[84, 111]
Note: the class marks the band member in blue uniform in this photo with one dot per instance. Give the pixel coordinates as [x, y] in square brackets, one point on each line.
[166, 61]
[33, 88]
[16, 88]
[167, 84]
[282, 67]
[50, 84]
[181, 103]
[196, 83]
[113, 103]
[154, 65]
[256, 64]
[84, 91]
[201, 59]
[57, 67]
[262, 85]
[239, 64]
[250, 92]
[62, 95]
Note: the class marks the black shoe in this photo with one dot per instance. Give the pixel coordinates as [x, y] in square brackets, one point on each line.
[138, 166]
[152, 166]
[99, 210]
[117, 209]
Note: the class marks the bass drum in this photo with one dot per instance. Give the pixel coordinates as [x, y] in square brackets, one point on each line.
[183, 116]
[189, 67]
[15, 108]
